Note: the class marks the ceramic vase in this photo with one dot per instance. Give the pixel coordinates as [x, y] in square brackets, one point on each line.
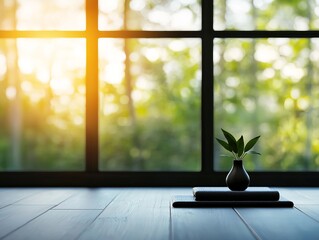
[237, 179]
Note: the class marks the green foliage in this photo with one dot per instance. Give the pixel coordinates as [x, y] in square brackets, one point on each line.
[238, 149]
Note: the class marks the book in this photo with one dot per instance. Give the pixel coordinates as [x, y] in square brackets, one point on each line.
[188, 201]
[224, 194]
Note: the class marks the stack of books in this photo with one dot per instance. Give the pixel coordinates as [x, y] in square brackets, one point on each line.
[223, 197]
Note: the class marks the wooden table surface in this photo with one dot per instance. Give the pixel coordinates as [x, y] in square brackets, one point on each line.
[146, 213]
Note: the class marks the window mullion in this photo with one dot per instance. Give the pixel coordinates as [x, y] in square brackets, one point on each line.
[207, 86]
[92, 143]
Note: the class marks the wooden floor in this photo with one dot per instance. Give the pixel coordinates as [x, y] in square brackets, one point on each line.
[146, 213]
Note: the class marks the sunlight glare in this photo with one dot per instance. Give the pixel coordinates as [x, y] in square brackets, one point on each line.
[234, 54]
[26, 87]
[295, 93]
[265, 53]
[43, 75]
[143, 83]
[110, 108]
[107, 6]
[182, 19]
[159, 16]
[25, 65]
[177, 45]
[62, 86]
[78, 120]
[293, 72]
[81, 89]
[289, 103]
[3, 66]
[152, 54]
[303, 103]
[137, 5]
[36, 96]
[113, 73]
[11, 92]
[140, 96]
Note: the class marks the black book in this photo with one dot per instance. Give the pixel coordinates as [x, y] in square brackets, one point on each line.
[188, 201]
[224, 194]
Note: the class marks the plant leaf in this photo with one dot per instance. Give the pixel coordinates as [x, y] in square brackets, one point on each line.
[240, 146]
[231, 141]
[253, 152]
[224, 144]
[223, 155]
[251, 143]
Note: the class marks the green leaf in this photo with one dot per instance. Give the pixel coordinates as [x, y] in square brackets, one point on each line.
[240, 145]
[231, 141]
[251, 143]
[253, 152]
[223, 155]
[224, 144]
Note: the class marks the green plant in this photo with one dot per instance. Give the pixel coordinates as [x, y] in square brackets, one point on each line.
[238, 148]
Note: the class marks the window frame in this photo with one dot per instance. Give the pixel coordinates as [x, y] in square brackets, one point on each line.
[91, 176]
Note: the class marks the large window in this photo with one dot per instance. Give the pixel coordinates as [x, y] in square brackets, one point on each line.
[134, 92]
[265, 80]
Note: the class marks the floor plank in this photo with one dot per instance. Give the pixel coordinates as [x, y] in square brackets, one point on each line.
[49, 196]
[134, 214]
[311, 194]
[310, 210]
[56, 224]
[296, 195]
[14, 216]
[208, 223]
[95, 198]
[274, 224]
[144, 213]
[11, 195]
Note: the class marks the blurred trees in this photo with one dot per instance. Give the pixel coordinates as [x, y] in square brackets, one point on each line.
[150, 88]
[149, 91]
[269, 86]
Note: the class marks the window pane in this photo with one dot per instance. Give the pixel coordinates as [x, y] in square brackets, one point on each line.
[266, 15]
[42, 102]
[150, 104]
[42, 14]
[149, 15]
[269, 87]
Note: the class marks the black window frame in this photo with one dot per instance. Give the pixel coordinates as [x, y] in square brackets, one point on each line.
[91, 176]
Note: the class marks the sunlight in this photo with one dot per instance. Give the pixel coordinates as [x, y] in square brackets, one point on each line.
[26, 86]
[295, 93]
[152, 54]
[43, 75]
[78, 120]
[234, 54]
[182, 19]
[138, 96]
[3, 66]
[25, 65]
[62, 86]
[36, 96]
[50, 15]
[110, 108]
[177, 45]
[137, 5]
[113, 73]
[303, 103]
[11, 92]
[291, 71]
[266, 53]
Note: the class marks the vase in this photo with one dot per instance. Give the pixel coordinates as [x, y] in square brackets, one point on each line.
[237, 179]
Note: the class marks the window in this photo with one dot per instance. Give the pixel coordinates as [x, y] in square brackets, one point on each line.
[265, 80]
[133, 92]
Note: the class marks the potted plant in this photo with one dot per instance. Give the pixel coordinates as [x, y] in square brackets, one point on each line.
[237, 179]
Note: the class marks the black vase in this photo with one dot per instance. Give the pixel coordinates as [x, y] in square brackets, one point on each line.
[237, 179]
